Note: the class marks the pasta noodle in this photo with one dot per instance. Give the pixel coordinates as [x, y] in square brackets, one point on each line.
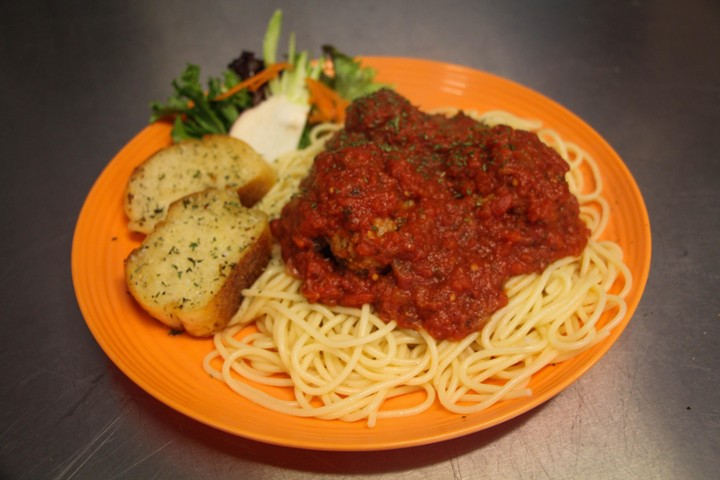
[313, 360]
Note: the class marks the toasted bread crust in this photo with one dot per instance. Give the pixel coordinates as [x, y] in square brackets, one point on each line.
[190, 271]
[216, 315]
[216, 161]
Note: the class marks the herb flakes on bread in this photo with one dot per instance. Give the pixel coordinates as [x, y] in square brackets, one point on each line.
[189, 272]
[215, 161]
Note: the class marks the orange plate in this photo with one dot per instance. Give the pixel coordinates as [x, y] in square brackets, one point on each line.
[169, 367]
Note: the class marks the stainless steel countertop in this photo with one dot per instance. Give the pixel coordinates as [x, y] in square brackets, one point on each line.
[75, 81]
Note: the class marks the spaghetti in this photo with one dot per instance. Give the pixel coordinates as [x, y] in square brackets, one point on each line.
[313, 360]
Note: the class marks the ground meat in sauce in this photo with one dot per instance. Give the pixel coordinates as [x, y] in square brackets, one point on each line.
[426, 217]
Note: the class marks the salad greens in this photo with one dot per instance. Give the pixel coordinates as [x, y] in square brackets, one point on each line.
[197, 110]
[292, 81]
[351, 80]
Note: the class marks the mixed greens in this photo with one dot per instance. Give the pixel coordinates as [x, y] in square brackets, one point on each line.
[249, 82]
[195, 111]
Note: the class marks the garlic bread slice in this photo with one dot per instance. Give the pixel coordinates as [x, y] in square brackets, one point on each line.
[189, 272]
[216, 161]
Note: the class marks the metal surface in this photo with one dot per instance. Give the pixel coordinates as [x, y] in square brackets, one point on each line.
[75, 81]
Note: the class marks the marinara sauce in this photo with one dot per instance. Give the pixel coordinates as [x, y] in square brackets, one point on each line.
[426, 217]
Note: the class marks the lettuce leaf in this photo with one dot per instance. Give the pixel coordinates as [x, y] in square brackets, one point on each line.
[291, 83]
[351, 80]
[194, 112]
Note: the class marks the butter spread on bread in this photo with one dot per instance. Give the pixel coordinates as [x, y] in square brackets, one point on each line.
[189, 272]
[216, 161]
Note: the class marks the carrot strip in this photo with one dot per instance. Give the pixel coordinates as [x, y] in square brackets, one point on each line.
[329, 106]
[256, 81]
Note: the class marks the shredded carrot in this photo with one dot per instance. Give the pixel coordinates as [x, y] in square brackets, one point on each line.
[256, 81]
[329, 106]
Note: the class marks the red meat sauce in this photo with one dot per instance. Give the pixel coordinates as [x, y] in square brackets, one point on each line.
[426, 217]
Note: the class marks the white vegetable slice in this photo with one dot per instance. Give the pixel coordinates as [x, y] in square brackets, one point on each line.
[272, 128]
